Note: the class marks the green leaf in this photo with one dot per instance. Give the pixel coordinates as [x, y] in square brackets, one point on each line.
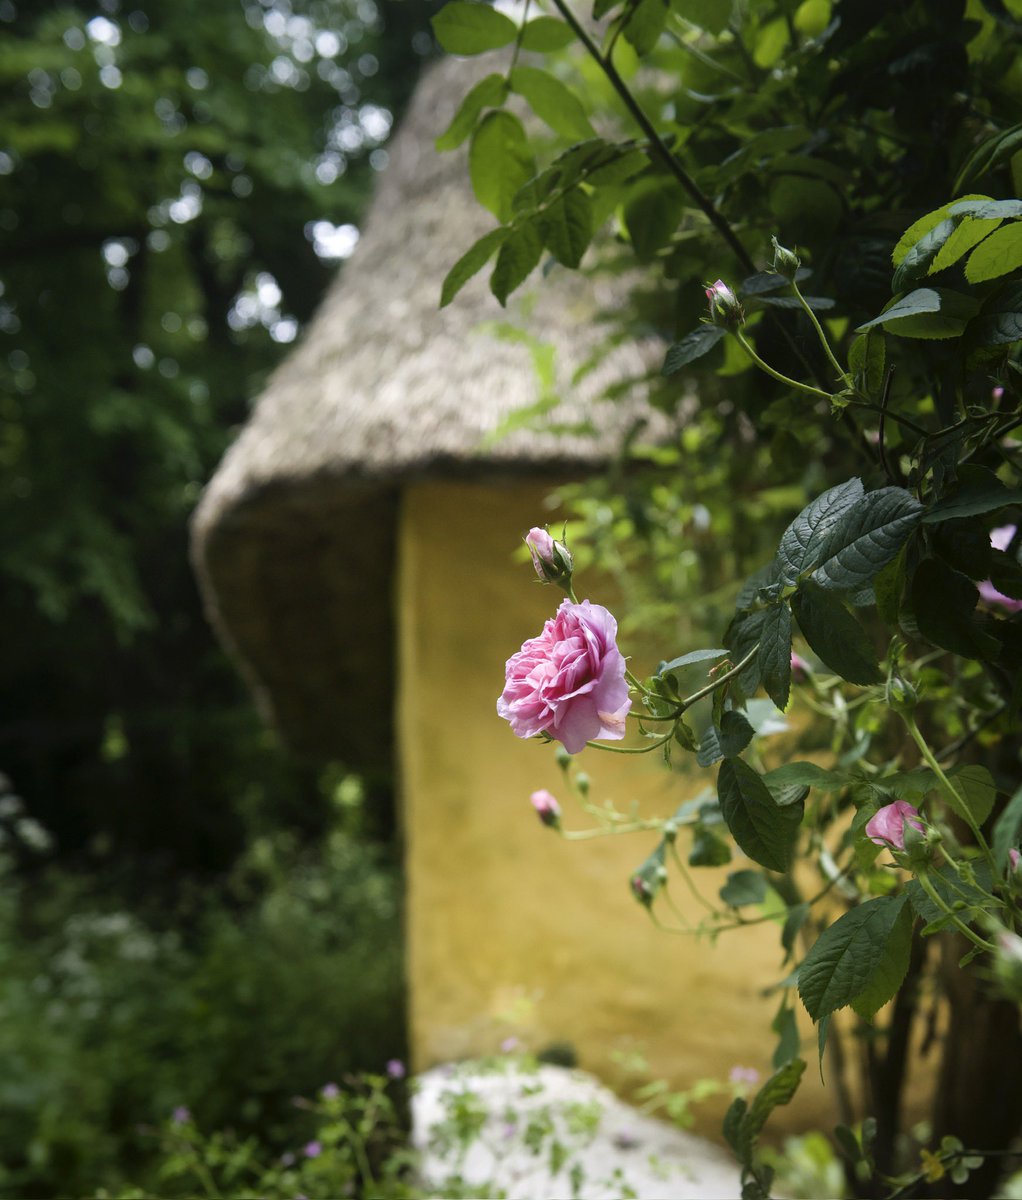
[988, 155]
[890, 972]
[999, 254]
[805, 536]
[867, 360]
[734, 734]
[918, 259]
[974, 899]
[692, 346]
[928, 313]
[1000, 320]
[553, 102]
[471, 263]
[545, 34]
[764, 830]
[566, 226]
[799, 774]
[788, 1042]
[835, 635]
[867, 535]
[1007, 830]
[889, 587]
[922, 300]
[499, 162]
[465, 28]
[734, 1124]
[925, 223]
[490, 92]
[775, 653]
[687, 660]
[846, 957]
[742, 635]
[651, 216]
[645, 24]
[969, 233]
[943, 604]
[978, 491]
[977, 788]
[711, 15]
[707, 849]
[744, 887]
[517, 257]
[775, 1093]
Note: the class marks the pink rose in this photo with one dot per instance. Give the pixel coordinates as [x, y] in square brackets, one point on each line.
[1000, 539]
[887, 826]
[569, 682]
[546, 806]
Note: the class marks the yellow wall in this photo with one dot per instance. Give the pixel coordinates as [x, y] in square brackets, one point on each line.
[501, 910]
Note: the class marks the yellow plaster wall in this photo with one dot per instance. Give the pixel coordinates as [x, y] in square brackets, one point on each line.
[505, 919]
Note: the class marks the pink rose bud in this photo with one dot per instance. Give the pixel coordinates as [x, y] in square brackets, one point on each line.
[547, 808]
[396, 1069]
[887, 826]
[997, 394]
[800, 669]
[551, 559]
[724, 307]
[568, 683]
[1014, 858]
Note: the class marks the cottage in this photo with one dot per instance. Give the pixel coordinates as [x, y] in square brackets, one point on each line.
[355, 549]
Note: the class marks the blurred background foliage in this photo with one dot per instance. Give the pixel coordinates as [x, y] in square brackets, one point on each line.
[179, 180]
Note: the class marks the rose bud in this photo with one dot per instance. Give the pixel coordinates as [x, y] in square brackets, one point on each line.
[547, 808]
[887, 826]
[786, 262]
[724, 307]
[551, 559]
[800, 669]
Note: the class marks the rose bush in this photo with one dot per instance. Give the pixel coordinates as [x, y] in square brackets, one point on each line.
[569, 682]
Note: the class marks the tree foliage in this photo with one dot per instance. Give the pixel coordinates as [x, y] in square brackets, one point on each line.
[177, 183]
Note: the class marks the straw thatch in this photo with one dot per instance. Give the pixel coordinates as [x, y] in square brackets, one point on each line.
[295, 534]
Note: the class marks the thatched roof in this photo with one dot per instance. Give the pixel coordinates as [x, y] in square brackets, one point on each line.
[295, 532]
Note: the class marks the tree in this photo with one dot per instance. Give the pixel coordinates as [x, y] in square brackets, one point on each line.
[177, 183]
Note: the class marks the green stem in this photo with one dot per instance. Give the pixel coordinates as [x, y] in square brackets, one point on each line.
[690, 882]
[716, 683]
[842, 374]
[959, 924]
[583, 835]
[792, 383]
[632, 749]
[961, 808]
